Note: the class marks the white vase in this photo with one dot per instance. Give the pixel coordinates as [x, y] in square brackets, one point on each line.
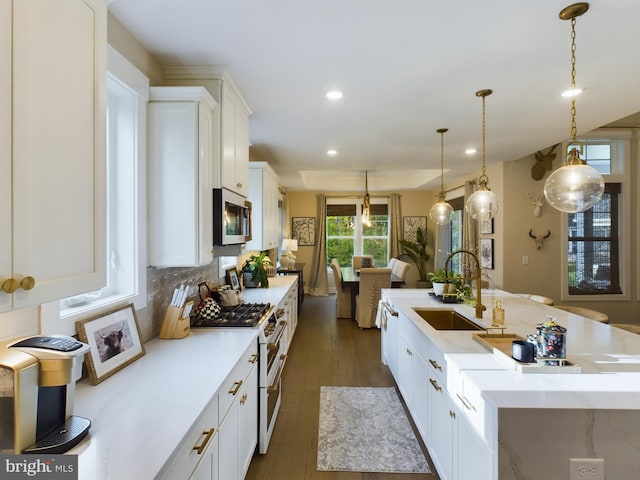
[440, 289]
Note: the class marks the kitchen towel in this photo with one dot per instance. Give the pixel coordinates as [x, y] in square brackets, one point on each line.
[365, 429]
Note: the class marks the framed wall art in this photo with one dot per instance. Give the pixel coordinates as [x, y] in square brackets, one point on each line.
[232, 278]
[486, 253]
[114, 340]
[303, 229]
[410, 225]
[486, 226]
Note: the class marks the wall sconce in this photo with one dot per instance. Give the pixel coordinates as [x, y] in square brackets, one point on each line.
[574, 187]
[483, 204]
[441, 212]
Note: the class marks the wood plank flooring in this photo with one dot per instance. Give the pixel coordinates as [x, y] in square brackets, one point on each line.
[331, 352]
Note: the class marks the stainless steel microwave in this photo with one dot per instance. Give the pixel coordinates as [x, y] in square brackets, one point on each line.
[231, 218]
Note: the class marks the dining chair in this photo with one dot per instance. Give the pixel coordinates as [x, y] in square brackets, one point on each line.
[358, 261]
[586, 312]
[372, 280]
[392, 262]
[536, 298]
[343, 296]
[401, 270]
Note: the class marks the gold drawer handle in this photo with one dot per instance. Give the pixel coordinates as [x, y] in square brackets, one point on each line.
[452, 414]
[435, 365]
[208, 434]
[243, 400]
[435, 385]
[235, 388]
[239, 184]
[468, 405]
[254, 358]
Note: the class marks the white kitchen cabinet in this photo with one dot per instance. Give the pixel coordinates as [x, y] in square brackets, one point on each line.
[265, 215]
[180, 162]
[442, 418]
[52, 149]
[231, 123]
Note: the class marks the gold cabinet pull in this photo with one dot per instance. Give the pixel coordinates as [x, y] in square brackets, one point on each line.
[435, 385]
[254, 358]
[10, 285]
[434, 364]
[467, 404]
[208, 434]
[239, 184]
[243, 400]
[452, 414]
[235, 388]
[28, 282]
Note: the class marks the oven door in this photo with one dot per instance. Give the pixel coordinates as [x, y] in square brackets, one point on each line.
[270, 398]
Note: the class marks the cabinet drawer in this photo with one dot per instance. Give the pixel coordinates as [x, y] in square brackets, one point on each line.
[481, 415]
[194, 446]
[435, 359]
[233, 383]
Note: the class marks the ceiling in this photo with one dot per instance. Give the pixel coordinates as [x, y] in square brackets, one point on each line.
[406, 69]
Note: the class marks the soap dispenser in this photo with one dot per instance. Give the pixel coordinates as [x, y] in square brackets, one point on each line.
[498, 314]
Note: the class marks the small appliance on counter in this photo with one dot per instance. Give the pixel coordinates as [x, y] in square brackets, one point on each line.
[37, 388]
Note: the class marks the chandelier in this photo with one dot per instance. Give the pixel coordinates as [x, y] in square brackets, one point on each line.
[441, 212]
[574, 187]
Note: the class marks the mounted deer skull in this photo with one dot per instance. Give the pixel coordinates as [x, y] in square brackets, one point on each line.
[538, 202]
[539, 239]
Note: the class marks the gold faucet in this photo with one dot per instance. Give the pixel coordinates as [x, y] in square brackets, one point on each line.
[478, 278]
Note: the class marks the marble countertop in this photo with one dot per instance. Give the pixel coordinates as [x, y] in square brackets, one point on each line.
[609, 357]
[140, 414]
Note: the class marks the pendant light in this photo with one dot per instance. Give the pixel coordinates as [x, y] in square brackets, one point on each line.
[366, 203]
[574, 187]
[441, 212]
[483, 204]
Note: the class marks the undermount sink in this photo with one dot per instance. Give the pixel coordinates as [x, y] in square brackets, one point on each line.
[446, 320]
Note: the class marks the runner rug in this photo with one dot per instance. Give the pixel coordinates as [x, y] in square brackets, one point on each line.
[365, 429]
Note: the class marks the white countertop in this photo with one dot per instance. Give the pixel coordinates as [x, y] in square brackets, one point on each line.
[609, 357]
[140, 414]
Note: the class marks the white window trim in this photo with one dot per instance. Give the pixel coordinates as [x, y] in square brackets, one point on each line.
[620, 168]
[50, 319]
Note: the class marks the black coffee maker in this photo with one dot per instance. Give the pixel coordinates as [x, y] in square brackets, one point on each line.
[37, 387]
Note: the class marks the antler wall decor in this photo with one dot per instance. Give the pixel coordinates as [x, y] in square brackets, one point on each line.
[544, 163]
[538, 202]
[539, 239]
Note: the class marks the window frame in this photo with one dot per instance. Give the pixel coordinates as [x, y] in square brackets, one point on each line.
[620, 141]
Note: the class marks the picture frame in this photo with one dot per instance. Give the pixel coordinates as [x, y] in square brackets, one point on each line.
[410, 225]
[232, 278]
[114, 339]
[486, 253]
[303, 229]
[486, 227]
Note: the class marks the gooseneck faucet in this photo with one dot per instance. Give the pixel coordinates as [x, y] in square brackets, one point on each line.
[478, 278]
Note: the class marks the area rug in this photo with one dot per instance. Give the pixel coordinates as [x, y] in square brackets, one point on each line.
[365, 429]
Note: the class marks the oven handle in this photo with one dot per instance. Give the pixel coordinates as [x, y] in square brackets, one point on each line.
[275, 344]
[273, 388]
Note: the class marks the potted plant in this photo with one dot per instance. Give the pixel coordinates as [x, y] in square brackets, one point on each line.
[254, 271]
[439, 280]
[417, 252]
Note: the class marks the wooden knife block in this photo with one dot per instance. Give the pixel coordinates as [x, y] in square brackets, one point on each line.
[174, 324]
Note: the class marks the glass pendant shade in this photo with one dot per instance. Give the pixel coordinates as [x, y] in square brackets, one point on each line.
[483, 204]
[574, 188]
[441, 212]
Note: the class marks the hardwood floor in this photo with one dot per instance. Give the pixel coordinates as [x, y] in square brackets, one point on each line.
[330, 352]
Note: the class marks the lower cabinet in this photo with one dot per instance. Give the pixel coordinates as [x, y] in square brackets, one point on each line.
[207, 469]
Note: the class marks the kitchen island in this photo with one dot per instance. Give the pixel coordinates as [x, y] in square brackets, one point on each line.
[504, 424]
[142, 415]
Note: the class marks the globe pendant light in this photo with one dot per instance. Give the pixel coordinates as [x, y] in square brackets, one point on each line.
[441, 212]
[483, 204]
[366, 203]
[574, 187]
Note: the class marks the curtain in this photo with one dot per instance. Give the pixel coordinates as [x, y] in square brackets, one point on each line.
[318, 283]
[395, 225]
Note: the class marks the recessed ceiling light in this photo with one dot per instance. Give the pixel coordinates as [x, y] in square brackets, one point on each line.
[334, 94]
[332, 153]
[572, 92]
[470, 151]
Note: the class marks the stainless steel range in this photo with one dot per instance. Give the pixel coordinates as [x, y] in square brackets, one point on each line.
[271, 357]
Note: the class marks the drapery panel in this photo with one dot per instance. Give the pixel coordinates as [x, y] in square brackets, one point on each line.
[318, 283]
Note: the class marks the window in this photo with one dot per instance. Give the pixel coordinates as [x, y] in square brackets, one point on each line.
[127, 95]
[592, 256]
[348, 236]
[449, 237]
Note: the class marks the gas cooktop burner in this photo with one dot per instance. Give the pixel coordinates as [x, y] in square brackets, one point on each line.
[242, 315]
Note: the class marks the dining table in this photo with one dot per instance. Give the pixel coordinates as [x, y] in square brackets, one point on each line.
[351, 281]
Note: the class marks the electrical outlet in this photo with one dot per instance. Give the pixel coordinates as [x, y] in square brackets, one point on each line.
[586, 469]
[525, 260]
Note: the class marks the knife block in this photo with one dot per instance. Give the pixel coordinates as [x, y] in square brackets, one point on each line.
[176, 324]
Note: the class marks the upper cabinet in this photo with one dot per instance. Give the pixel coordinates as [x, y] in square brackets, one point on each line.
[52, 149]
[231, 123]
[180, 162]
[263, 195]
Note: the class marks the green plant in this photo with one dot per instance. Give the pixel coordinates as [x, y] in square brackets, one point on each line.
[257, 265]
[438, 276]
[417, 252]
